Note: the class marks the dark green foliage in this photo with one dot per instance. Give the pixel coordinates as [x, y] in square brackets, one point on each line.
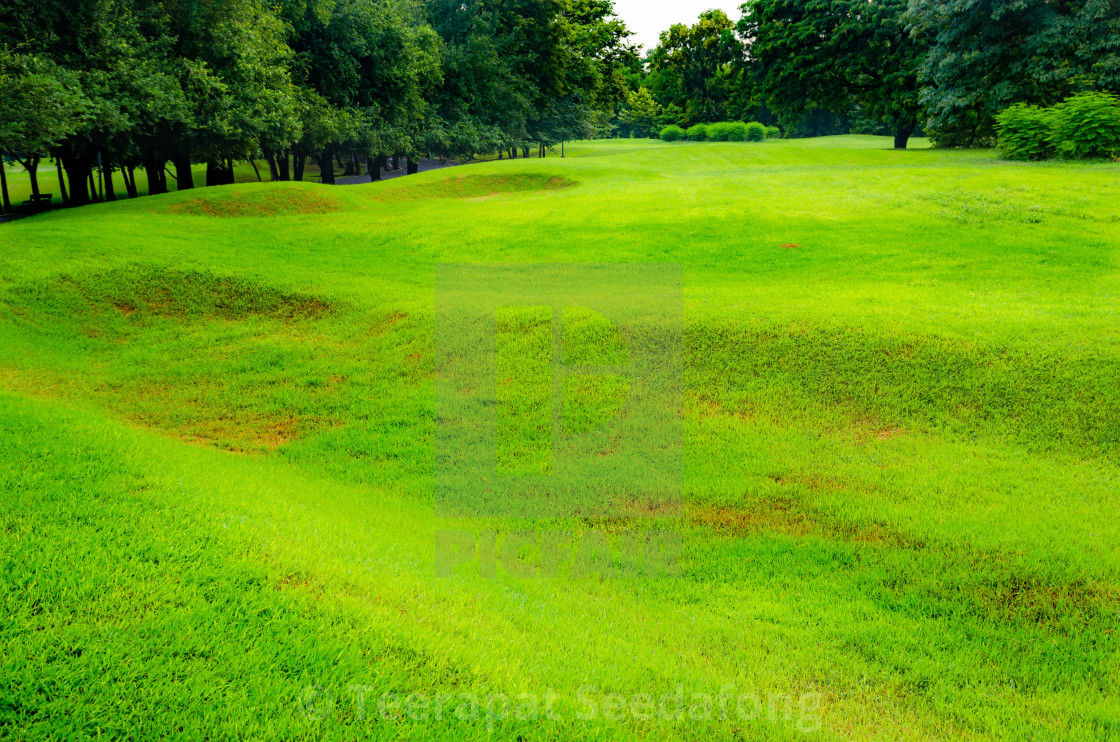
[1088, 125]
[985, 56]
[698, 68]
[1025, 132]
[1084, 126]
[832, 55]
[697, 133]
[672, 133]
[123, 84]
[756, 132]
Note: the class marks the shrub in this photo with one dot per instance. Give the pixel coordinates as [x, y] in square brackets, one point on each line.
[737, 132]
[697, 133]
[1088, 125]
[720, 132]
[672, 133]
[756, 132]
[773, 132]
[1025, 132]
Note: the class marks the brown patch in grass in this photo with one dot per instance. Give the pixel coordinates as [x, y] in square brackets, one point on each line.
[889, 433]
[389, 322]
[786, 516]
[790, 245]
[471, 187]
[260, 202]
[1044, 603]
[811, 482]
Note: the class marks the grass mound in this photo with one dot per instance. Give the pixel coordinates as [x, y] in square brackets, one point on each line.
[258, 202]
[129, 334]
[476, 186]
[139, 291]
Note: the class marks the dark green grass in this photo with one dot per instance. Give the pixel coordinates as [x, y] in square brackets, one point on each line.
[900, 406]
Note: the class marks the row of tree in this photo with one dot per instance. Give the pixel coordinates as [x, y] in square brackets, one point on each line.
[160, 85]
[877, 66]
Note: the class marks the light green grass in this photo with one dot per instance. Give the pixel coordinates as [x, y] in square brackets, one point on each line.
[901, 414]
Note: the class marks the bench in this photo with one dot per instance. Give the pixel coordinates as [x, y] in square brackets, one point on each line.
[38, 203]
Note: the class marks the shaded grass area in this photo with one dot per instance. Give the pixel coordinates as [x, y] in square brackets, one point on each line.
[19, 181]
[899, 478]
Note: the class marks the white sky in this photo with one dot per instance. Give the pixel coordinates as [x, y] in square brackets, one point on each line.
[648, 18]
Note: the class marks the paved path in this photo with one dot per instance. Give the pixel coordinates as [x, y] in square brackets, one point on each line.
[425, 166]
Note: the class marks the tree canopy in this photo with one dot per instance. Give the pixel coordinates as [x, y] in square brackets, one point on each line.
[166, 84]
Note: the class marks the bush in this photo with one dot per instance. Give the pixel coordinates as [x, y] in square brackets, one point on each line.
[672, 133]
[1025, 132]
[773, 132]
[756, 132]
[720, 132]
[737, 132]
[1087, 125]
[697, 133]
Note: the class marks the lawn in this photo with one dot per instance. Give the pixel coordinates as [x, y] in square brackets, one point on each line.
[224, 447]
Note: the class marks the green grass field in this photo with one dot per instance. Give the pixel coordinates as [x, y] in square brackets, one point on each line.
[900, 423]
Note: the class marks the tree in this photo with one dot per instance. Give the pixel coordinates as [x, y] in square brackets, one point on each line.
[698, 67]
[835, 56]
[642, 114]
[39, 108]
[987, 54]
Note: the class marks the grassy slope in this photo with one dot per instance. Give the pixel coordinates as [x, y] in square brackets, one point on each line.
[901, 469]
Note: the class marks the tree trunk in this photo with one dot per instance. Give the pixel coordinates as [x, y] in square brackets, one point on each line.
[61, 182]
[396, 162]
[77, 173]
[255, 170]
[33, 169]
[213, 173]
[184, 178]
[298, 161]
[153, 166]
[100, 176]
[107, 170]
[31, 165]
[130, 180]
[6, 200]
[282, 164]
[413, 166]
[326, 167]
[378, 165]
[93, 186]
[231, 176]
[902, 134]
[525, 151]
[348, 171]
[273, 171]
